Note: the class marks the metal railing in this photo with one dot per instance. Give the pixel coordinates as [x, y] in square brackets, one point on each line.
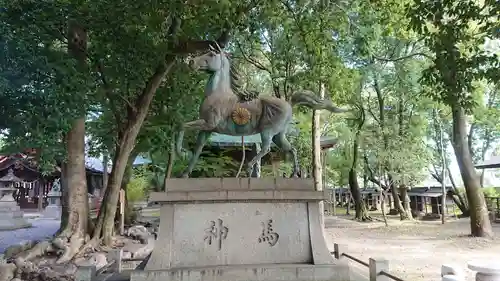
[376, 267]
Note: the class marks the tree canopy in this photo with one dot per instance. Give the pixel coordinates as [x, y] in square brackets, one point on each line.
[402, 67]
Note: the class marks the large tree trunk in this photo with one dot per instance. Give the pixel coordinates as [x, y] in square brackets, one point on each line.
[405, 199]
[316, 145]
[134, 120]
[75, 229]
[65, 197]
[398, 203]
[392, 185]
[105, 162]
[479, 221]
[105, 221]
[170, 165]
[316, 159]
[359, 205]
[126, 179]
[458, 198]
[74, 225]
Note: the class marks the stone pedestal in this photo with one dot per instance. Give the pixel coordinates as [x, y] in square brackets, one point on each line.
[486, 270]
[53, 210]
[11, 216]
[241, 230]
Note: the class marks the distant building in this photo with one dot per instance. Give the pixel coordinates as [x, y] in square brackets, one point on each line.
[36, 184]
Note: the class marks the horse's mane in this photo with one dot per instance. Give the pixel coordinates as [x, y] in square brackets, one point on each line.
[237, 84]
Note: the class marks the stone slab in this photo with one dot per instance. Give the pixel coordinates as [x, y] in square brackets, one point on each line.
[85, 273]
[52, 211]
[11, 216]
[214, 184]
[244, 223]
[485, 266]
[237, 195]
[11, 223]
[263, 272]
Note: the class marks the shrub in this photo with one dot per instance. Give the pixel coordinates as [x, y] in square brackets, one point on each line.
[490, 192]
[136, 188]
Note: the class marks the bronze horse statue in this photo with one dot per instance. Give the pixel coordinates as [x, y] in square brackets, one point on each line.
[225, 111]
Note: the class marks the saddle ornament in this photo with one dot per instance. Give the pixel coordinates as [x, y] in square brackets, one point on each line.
[241, 116]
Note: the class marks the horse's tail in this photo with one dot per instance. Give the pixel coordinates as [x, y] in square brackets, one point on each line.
[311, 100]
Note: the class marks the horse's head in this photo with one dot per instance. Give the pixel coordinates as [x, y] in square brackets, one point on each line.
[212, 61]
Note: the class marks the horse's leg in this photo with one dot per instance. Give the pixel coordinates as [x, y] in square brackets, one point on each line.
[282, 142]
[200, 143]
[199, 124]
[266, 137]
[180, 135]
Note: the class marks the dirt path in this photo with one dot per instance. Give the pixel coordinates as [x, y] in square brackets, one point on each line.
[415, 251]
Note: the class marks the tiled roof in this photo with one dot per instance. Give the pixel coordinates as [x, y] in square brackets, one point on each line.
[493, 162]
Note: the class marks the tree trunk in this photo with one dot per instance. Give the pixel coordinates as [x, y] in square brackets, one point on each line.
[126, 179]
[479, 221]
[126, 143]
[105, 162]
[75, 229]
[316, 144]
[392, 185]
[170, 165]
[361, 212]
[74, 226]
[398, 204]
[135, 117]
[316, 147]
[63, 181]
[457, 197]
[405, 199]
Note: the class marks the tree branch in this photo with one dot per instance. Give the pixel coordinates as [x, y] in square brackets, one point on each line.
[251, 60]
[108, 93]
[371, 175]
[403, 57]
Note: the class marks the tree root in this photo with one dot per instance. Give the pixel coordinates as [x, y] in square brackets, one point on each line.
[71, 248]
[30, 271]
[66, 245]
[364, 218]
[90, 246]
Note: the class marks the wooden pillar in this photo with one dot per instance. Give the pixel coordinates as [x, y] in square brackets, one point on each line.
[41, 185]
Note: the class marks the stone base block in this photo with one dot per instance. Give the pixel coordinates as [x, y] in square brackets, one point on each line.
[9, 222]
[272, 272]
[52, 212]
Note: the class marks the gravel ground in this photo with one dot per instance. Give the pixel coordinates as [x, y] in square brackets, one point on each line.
[42, 228]
[415, 251]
